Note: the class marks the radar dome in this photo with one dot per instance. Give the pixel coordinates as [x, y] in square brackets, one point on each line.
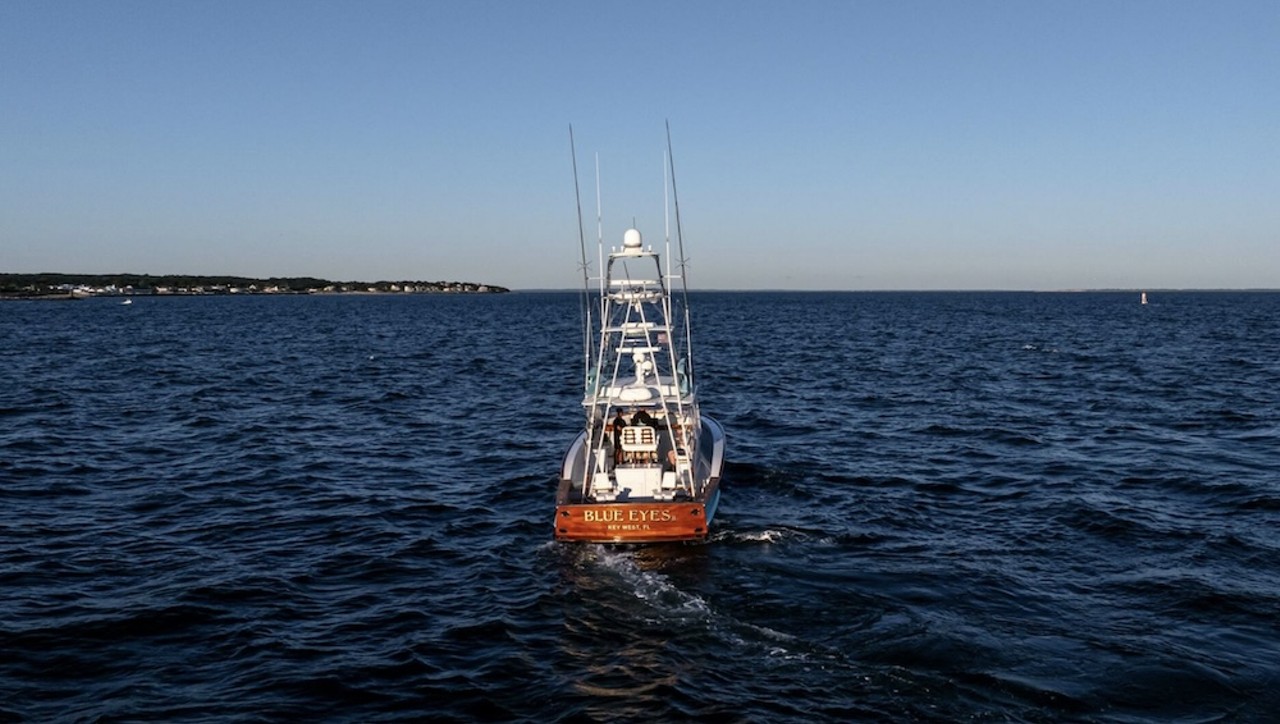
[631, 239]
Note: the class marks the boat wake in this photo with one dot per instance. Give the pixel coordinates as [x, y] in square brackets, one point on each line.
[664, 603]
[667, 602]
[753, 536]
[767, 535]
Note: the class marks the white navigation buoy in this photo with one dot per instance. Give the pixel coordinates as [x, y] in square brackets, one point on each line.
[1144, 297]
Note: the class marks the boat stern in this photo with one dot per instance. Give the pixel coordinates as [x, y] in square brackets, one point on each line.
[632, 522]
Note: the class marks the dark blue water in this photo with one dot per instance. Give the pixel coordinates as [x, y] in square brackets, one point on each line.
[998, 507]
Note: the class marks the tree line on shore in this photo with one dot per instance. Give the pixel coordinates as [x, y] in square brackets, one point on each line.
[52, 284]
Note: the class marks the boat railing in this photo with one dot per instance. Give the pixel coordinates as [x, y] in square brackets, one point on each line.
[636, 295]
[638, 330]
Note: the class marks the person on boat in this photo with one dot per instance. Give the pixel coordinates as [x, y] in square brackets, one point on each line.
[619, 422]
[666, 453]
[643, 418]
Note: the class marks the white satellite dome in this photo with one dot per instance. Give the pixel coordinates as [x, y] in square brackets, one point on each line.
[631, 239]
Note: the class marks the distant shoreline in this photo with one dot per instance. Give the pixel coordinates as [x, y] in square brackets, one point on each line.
[55, 286]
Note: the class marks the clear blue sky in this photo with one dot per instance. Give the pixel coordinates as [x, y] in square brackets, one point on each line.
[818, 145]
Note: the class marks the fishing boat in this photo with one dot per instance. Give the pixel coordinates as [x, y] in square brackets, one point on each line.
[646, 466]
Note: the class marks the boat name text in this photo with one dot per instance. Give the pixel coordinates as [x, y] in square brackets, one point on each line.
[630, 515]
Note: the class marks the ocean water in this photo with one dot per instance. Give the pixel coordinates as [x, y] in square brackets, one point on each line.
[938, 507]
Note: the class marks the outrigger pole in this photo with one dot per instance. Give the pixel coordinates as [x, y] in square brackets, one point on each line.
[600, 237]
[684, 276]
[582, 245]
